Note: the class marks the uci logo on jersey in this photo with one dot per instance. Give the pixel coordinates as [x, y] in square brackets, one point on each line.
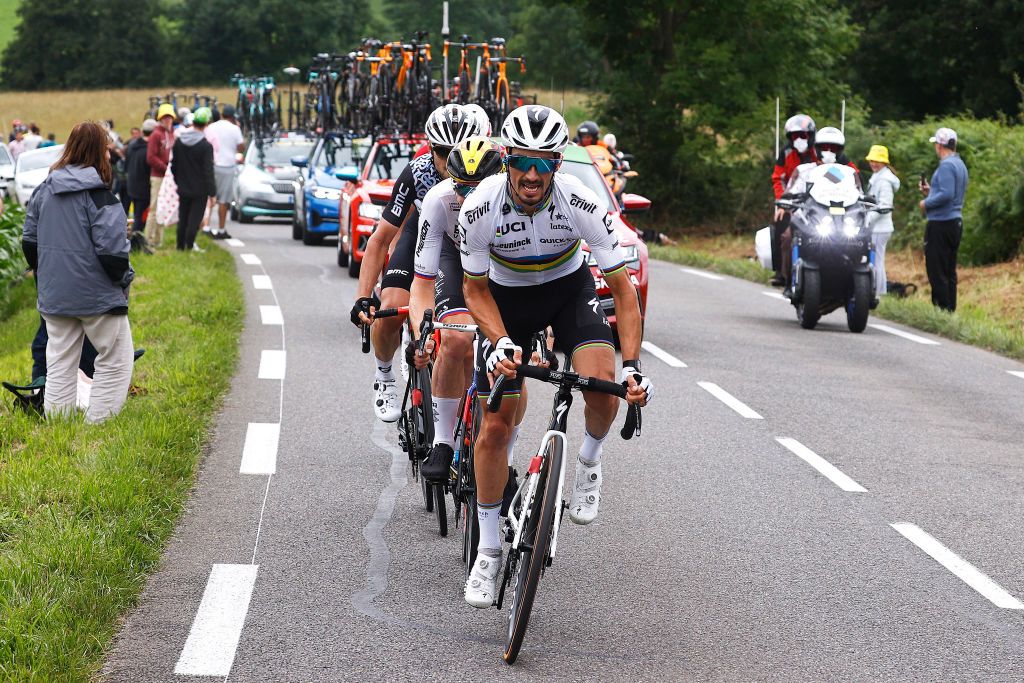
[478, 212]
[581, 203]
[514, 226]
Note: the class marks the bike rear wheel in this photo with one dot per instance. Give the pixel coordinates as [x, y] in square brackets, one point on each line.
[532, 561]
[440, 508]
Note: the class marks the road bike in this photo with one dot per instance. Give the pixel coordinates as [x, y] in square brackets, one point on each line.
[535, 512]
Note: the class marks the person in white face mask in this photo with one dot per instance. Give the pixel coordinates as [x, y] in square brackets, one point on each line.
[799, 149]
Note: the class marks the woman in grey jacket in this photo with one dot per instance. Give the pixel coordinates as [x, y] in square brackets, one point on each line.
[75, 239]
[883, 185]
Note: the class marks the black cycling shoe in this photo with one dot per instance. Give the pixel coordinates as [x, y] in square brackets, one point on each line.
[788, 293]
[511, 486]
[438, 463]
[778, 281]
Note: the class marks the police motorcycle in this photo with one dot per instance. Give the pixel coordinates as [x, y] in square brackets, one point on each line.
[833, 256]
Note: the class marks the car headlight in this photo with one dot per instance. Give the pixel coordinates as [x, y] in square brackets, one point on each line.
[265, 188]
[850, 227]
[327, 193]
[370, 210]
[824, 226]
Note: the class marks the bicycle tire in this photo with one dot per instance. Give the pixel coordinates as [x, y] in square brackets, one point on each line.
[440, 508]
[531, 562]
[428, 494]
[463, 87]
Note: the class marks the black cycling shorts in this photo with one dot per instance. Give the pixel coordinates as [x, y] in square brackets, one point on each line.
[399, 271]
[448, 296]
[569, 305]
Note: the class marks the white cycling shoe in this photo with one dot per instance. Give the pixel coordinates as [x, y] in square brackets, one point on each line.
[386, 404]
[586, 493]
[482, 584]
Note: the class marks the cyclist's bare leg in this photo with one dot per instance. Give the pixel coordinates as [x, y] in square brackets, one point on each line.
[597, 361]
[490, 453]
[449, 378]
[386, 333]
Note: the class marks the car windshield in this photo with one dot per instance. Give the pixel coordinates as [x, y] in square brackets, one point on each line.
[334, 154]
[5, 158]
[591, 177]
[30, 161]
[392, 158]
[278, 152]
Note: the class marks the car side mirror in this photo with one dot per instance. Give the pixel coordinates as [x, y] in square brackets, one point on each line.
[349, 173]
[634, 203]
[300, 162]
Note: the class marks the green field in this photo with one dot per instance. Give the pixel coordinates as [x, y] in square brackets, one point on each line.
[8, 10]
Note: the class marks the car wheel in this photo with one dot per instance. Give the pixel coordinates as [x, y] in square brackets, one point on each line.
[353, 265]
[298, 220]
[233, 212]
[242, 218]
[311, 238]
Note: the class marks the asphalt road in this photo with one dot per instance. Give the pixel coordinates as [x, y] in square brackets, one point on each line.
[863, 522]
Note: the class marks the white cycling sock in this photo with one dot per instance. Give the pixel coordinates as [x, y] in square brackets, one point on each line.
[487, 520]
[512, 443]
[590, 450]
[384, 370]
[446, 412]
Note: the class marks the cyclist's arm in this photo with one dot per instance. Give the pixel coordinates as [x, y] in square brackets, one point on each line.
[392, 219]
[428, 254]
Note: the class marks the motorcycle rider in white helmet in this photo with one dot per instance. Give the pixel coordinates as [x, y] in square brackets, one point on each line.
[525, 270]
[446, 127]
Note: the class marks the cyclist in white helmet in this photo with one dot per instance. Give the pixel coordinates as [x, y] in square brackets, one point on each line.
[525, 270]
[478, 113]
[446, 127]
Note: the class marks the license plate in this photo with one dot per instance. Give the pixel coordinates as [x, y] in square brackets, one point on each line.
[291, 199]
[837, 210]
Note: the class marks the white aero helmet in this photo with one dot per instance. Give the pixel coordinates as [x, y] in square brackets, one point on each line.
[800, 123]
[450, 124]
[830, 136]
[536, 128]
[610, 141]
[482, 119]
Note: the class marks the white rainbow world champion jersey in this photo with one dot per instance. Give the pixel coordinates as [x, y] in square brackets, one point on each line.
[516, 250]
[439, 216]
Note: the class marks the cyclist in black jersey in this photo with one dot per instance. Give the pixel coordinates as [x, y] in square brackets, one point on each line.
[446, 127]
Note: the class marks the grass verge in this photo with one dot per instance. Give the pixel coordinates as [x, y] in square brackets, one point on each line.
[84, 510]
[983, 323]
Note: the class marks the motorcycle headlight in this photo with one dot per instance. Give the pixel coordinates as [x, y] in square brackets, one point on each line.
[327, 193]
[824, 226]
[370, 210]
[850, 227]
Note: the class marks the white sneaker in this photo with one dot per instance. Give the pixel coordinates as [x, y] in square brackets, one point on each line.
[386, 403]
[586, 493]
[482, 584]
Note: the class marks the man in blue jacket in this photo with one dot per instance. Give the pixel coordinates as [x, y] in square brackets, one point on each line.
[943, 206]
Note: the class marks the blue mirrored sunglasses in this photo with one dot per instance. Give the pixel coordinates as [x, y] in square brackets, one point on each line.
[464, 190]
[523, 163]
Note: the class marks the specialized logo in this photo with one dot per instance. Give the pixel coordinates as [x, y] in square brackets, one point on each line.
[580, 203]
[478, 212]
[515, 226]
[552, 216]
[594, 303]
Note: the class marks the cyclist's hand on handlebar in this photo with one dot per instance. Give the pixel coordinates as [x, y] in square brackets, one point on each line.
[779, 214]
[504, 358]
[414, 357]
[362, 311]
[639, 388]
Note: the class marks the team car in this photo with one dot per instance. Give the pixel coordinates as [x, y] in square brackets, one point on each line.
[318, 186]
[264, 187]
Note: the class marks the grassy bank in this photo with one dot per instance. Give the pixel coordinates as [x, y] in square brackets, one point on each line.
[990, 311]
[85, 511]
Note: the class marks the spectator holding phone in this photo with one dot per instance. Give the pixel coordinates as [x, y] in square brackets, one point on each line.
[943, 205]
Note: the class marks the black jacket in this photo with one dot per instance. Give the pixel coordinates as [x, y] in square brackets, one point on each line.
[192, 164]
[138, 169]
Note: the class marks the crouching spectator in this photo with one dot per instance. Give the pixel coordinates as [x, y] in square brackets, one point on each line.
[76, 242]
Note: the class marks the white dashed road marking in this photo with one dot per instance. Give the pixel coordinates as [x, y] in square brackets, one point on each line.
[728, 399]
[272, 364]
[1016, 373]
[233, 242]
[271, 315]
[250, 259]
[905, 335]
[259, 455]
[964, 570]
[211, 644]
[823, 466]
[700, 273]
[261, 282]
[662, 355]
[776, 295]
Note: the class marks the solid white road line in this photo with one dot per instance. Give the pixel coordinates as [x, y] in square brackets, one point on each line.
[272, 364]
[700, 273]
[235, 242]
[776, 295]
[271, 315]
[728, 399]
[661, 354]
[963, 569]
[259, 454]
[1016, 373]
[823, 466]
[250, 259]
[211, 644]
[261, 282]
[905, 335]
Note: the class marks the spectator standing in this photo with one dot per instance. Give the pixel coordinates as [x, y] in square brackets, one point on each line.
[15, 125]
[17, 145]
[192, 166]
[74, 239]
[32, 138]
[50, 141]
[943, 207]
[158, 154]
[230, 141]
[883, 186]
[138, 171]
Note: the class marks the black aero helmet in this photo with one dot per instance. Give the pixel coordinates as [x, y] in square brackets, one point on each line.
[588, 128]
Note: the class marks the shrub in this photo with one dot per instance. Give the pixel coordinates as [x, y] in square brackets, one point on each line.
[12, 261]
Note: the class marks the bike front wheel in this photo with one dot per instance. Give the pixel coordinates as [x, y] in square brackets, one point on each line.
[531, 562]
